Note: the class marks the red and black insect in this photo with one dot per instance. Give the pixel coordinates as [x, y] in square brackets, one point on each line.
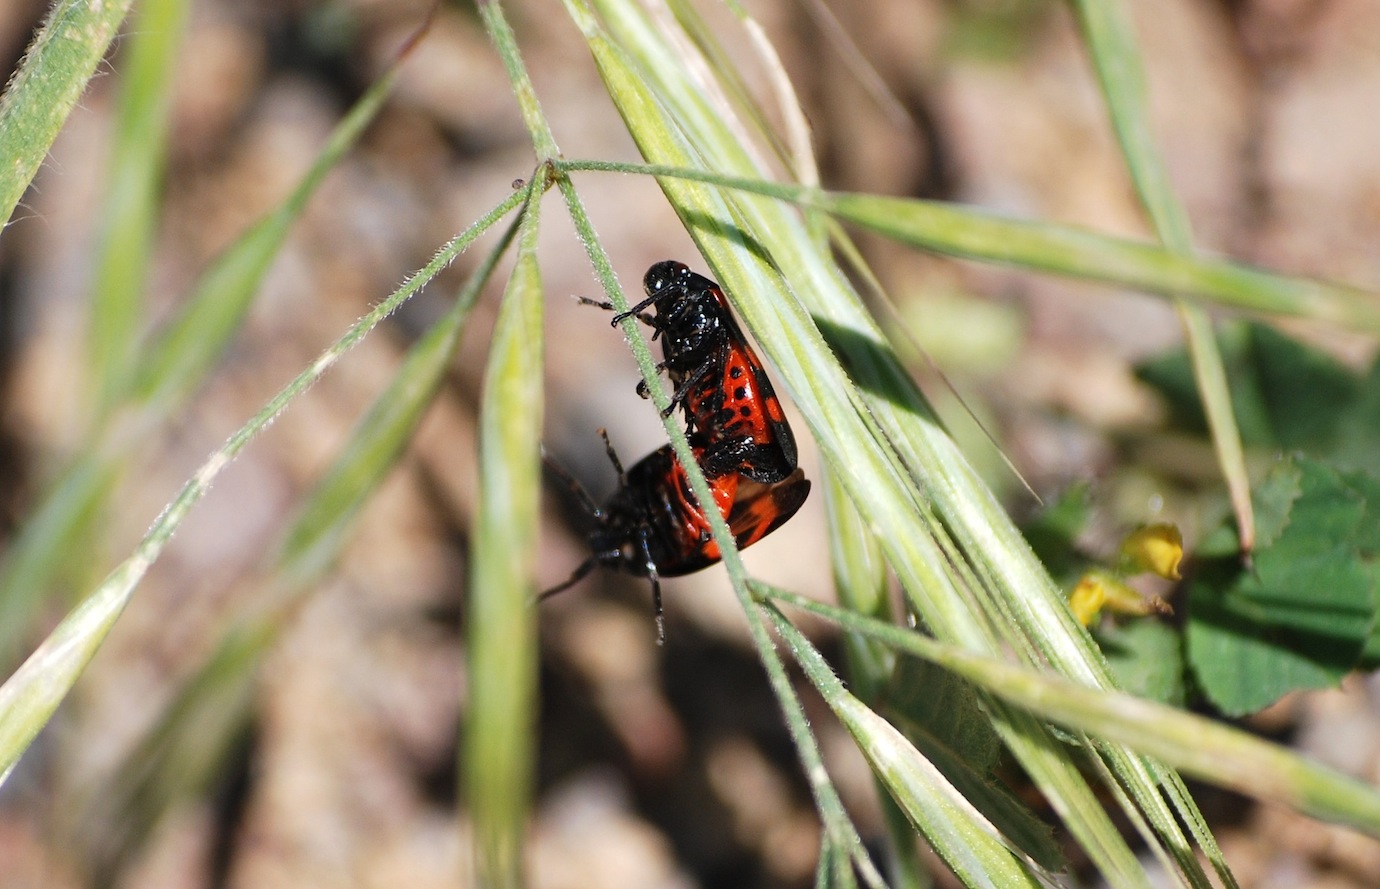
[652, 527]
[718, 378]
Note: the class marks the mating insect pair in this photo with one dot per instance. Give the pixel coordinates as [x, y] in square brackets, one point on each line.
[652, 525]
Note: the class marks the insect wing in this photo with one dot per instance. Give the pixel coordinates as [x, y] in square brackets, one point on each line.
[758, 513]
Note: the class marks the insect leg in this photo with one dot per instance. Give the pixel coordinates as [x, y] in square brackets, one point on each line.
[613, 458]
[576, 576]
[635, 310]
[656, 588]
[686, 386]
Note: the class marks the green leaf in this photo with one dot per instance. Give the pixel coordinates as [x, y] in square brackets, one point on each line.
[1299, 616]
[1147, 657]
[1053, 533]
[1286, 394]
[1358, 426]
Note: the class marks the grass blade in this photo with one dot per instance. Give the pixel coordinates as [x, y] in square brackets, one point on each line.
[185, 751]
[129, 216]
[1116, 58]
[29, 697]
[971, 233]
[1215, 753]
[501, 632]
[173, 366]
[50, 80]
[968, 843]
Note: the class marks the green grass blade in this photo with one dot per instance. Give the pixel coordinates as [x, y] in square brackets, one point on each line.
[860, 582]
[501, 622]
[1079, 253]
[129, 216]
[316, 538]
[180, 356]
[968, 843]
[50, 80]
[45, 542]
[971, 233]
[29, 697]
[543, 142]
[1215, 753]
[1116, 58]
[185, 751]
[175, 364]
[181, 757]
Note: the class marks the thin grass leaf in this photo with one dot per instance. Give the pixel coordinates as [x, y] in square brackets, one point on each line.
[971, 233]
[173, 366]
[44, 544]
[129, 215]
[50, 79]
[316, 538]
[29, 697]
[1217, 754]
[505, 41]
[501, 623]
[110, 822]
[860, 582]
[1116, 57]
[1079, 253]
[181, 355]
[972, 848]
[184, 753]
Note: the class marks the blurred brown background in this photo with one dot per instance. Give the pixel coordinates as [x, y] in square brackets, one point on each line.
[660, 767]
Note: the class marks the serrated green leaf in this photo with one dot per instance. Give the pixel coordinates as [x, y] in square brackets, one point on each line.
[1300, 616]
[1358, 429]
[1285, 394]
[1147, 657]
[1306, 391]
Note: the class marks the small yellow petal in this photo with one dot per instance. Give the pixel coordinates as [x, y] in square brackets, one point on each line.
[1087, 598]
[1156, 548]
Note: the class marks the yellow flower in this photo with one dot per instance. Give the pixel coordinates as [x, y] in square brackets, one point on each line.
[1156, 548]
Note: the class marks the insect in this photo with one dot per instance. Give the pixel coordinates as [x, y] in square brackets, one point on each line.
[652, 527]
[719, 380]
